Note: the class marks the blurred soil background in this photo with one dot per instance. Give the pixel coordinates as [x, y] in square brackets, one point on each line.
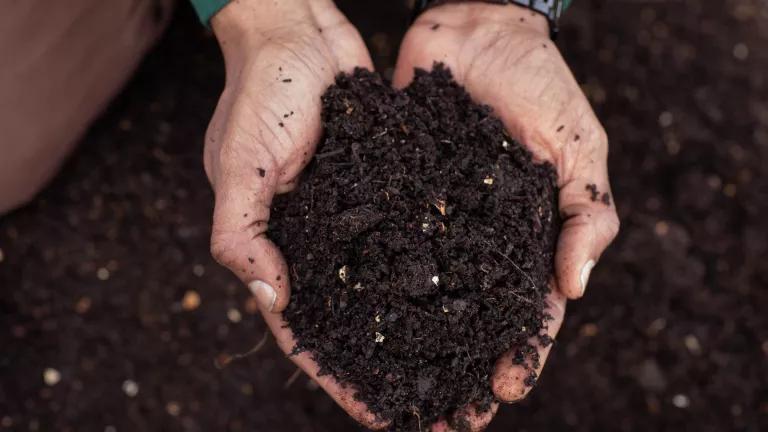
[113, 314]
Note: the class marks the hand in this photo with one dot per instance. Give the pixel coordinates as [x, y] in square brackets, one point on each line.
[503, 56]
[280, 57]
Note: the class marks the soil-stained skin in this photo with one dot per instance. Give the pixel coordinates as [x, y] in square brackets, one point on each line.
[420, 242]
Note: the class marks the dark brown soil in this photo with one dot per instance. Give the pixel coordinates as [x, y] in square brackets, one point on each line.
[420, 242]
[671, 336]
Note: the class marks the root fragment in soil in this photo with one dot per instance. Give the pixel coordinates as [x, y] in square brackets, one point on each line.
[223, 360]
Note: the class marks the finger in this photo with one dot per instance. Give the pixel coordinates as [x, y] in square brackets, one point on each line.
[343, 396]
[287, 186]
[423, 53]
[468, 419]
[509, 378]
[350, 52]
[590, 225]
[241, 214]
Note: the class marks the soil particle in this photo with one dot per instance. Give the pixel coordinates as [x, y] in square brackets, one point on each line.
[431, 233]
[594, 194]
[606, 198]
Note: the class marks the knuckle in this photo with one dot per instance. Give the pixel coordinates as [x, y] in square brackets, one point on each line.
[556, 308]
[208, 166]
[612, 226]
[601, 135]
[222, 249]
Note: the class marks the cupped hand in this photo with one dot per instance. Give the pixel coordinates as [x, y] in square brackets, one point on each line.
[503, 56]
[280, 57]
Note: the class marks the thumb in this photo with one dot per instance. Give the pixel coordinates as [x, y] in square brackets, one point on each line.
[590, 224]
[238, 239]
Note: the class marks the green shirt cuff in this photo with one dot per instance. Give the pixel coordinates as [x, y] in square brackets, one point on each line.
[206, 9]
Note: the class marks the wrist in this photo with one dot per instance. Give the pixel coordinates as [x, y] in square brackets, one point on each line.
[241, 22]
[478, 13]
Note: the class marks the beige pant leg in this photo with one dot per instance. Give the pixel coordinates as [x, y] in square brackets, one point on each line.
[60, 64]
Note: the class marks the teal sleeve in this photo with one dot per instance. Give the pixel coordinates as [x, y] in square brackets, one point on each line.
[206, 9]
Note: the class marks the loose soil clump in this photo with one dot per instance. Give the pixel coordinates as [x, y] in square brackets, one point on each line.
[420, 244]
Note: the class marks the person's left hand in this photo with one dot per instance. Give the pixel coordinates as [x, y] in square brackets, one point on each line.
[280, 58]
[503, 56]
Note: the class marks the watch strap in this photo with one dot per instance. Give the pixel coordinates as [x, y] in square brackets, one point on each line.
[552, 9]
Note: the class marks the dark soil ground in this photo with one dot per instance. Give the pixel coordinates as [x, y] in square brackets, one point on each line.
[421, 243]
[101, 276]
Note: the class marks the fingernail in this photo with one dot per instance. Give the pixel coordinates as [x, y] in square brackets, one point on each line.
[264, 293]
[585, 271]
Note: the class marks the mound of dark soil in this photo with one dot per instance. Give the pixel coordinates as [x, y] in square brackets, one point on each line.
[420, 244]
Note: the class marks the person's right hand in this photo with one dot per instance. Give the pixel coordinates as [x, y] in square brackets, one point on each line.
[503, 56]
[280, 58]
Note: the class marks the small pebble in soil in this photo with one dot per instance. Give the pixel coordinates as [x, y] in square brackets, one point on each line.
[681, 401]
[102, 274]
[666, 119]
[83, 305]
[729, 190]
[741, 51]
[234, 315]
[173, 408]
[343, 273]
[51, 376]
[130, 388]
[589, 330]
[661, 228]
[190, 301]
[416, 219]
[692, 344]
[251, 305]
[656, 326]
